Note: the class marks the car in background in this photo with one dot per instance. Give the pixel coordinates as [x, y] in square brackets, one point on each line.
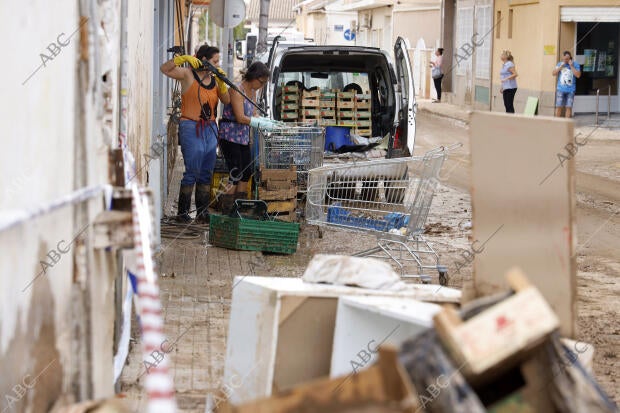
[390, 84]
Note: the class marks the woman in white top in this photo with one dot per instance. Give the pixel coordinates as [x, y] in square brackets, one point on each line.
[437, 72]
[508, 76]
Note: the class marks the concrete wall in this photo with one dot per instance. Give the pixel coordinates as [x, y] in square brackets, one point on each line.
[535, 25]
[57, 128]
[413, 25]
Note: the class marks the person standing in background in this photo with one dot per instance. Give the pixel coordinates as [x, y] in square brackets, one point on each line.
[508, 76]
[569, 72]
[437, 72]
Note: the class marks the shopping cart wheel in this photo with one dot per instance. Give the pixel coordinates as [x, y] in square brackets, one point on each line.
[443, 278]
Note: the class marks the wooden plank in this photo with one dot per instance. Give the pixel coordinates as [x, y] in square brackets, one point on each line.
[345, 104]
[523, 206]
[378, 389]
[311, 94]
[277, 194]
[281, 206]
[289, 115]
[345, 95]
[291, 88]
[290, 106]
[311, 112]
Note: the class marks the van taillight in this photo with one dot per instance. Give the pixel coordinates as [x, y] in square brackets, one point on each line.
[397, 138]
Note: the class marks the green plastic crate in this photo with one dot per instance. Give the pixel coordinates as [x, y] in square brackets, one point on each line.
[253, 235]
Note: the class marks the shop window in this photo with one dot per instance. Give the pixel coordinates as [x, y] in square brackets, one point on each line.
[597, 52]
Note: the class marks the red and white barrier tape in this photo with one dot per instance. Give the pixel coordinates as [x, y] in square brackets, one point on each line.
[158, 383]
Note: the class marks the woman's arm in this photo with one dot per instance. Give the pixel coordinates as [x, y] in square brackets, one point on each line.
[182, 74]
[224, 97]
[236, 100]
[513, 73]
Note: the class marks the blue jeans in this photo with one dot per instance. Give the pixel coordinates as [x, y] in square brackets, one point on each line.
[198, 146]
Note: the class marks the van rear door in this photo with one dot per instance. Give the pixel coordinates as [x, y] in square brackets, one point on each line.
[408, 106]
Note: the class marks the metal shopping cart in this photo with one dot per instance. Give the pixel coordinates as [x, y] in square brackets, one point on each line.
[294, 144]
[390, 198]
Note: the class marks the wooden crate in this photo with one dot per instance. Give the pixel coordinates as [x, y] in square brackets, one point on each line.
[310, 103]
[362, 114]
[285, 194]
[291, 89]
[289, 115]
[274, 179]
[328, 122]
[310, 112]
[327, 113]
[283, 210]
[311, 94]
[498, 338]
[345, 104]
[290, 97]
[349, 96]
[287, 106]
[327, 103]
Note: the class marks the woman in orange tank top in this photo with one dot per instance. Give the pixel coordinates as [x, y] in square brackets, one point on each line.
[200, 93]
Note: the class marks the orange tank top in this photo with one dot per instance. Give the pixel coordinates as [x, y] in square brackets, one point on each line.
[199, 102]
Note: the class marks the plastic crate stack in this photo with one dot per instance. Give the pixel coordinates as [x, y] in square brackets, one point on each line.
[310, 107]
[327, 105]
[362, 115]
[290, 103]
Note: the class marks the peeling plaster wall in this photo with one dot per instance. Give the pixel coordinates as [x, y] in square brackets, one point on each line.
[56, 335]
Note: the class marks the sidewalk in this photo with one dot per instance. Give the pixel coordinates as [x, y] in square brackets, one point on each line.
[584, 123]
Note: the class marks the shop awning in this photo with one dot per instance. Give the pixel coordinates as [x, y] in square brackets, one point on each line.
[590, 14]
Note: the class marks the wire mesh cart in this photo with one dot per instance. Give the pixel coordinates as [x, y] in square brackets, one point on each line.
[294, 144]
[390, 198]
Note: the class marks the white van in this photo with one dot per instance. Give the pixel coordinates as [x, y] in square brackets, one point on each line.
[390, 84]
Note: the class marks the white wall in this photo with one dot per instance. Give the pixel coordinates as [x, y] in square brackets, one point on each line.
[57, 129]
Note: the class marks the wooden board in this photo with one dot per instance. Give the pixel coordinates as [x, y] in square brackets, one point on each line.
[346, 104]
[497, 338]
[310, 102]
[523, 209]
[277, 194]
[281, 206]
[375, 389]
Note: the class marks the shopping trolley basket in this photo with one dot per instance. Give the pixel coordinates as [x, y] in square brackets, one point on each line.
[388, 197]
[293, 144]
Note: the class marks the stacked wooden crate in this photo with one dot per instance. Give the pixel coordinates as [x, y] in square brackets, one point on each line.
[310, 106]
[327, 105]
[290, 103]
[363, 122]
[278, 188]
[345, 104]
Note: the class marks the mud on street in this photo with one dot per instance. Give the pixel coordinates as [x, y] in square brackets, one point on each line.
[197, 279]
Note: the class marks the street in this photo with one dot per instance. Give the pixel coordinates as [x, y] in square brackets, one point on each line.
[197, 279]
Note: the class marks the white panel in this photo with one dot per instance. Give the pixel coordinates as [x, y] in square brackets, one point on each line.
[590, 14]
[364, 323]
[484, 23]
[464, 33]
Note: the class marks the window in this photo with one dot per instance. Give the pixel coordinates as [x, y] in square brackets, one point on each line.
[498, 24]
[483, 48]
[464, 33]
[510, 17]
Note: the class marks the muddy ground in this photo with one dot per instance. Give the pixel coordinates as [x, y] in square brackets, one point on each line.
[449, 231]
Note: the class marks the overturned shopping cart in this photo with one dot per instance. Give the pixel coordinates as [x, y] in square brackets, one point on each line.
[293, 144]
[390, 198]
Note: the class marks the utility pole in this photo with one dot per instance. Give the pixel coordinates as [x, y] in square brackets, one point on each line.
[263, 23]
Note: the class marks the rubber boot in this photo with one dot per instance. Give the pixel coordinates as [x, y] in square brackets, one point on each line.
[185, 201]
[203, 197]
